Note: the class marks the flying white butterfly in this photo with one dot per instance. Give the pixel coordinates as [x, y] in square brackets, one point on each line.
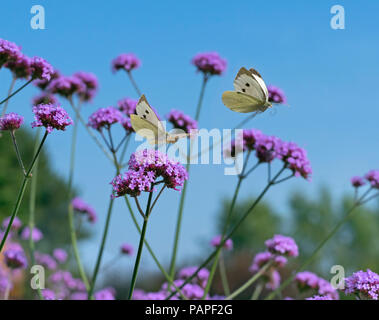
[250, 95]
[147, 124]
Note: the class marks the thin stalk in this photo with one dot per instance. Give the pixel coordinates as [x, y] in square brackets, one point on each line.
[17, 91]
[32, 207]
[134, 84]
[247, 284]
[226, 225]
[9, 93]
[184, 190]
[230, 234]
[257, 291]
[140, 247]
[224, 276]
[19, 158]
[22, 191]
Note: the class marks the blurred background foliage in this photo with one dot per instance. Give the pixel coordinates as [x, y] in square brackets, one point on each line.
[51, 199]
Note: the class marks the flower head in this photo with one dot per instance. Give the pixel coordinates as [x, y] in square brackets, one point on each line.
[127, 249]
[44, 98]
[51, 117]
[9, 51]
[105, 117]
[282, 245]
[295, 158]
[373, 178]
[46, 260]
[127, 125]
[48, 294]
[14, 257]
[60, 255]
[66, 86]
[105, 294]
[228, 245]
[310, 281]
[80, 206]
[43, 83]
[181, 121]
[276, 95]
[90, 85]
[41, 69]
[20, 67]
[11, 121]
[210, 63]
[262, 258]
[201, 278]
[36, 234]
[317, 297]
[125, 61]
[357, 182]
[145, 166]
[267, 148]
[364, 284]
[127, 106]
[16, 224]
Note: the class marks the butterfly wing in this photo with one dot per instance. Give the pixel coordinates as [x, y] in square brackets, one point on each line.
[241, 102]
[144, 110]
[145, 129]
[174, 137]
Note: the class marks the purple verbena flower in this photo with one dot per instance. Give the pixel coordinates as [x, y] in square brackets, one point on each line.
[90, 85]
[44, 83]
[44, 98]
[11, 121]
[210, 63]
[14, 257]
[317, 297]
[16, 224]
[365, 284]
[105, 117]
[267, 148]
[66, 86]
[9, 51]
[48, 294]
[228, 245]
[276, 95]
[181, 121]
[46, 260]
[357, 182]
[20, 67]
[127, 106]
[80, 206]
[125, 61]
[201, 278]
[51, 117]
[127, 249]
[295, 158]
[105, 294]
[282, 245]
[373, 178]
[263, 258]
[60, 255]
[41, 69]
[36, 234]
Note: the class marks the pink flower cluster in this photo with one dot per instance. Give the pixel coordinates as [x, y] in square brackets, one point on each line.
[11, 121]
[125, 61]
[310, 281]
[364, 284]
[276, 95]
[82, 207]
[210, 63]
[145, 167]
[104, 118]
[51, 117]
[181, 121]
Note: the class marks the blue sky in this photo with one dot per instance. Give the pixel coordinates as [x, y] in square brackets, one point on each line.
[328, 76]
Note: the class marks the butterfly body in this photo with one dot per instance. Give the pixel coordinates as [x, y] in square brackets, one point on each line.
[250, 95]
[147, 124]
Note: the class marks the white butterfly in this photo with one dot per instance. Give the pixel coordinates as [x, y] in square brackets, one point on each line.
[147, 124]
[250, 95]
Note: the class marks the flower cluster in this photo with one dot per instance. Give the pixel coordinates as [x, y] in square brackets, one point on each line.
[228, 245]
[310, 281]
[82, 207]
[181, 121]
[145, 167]
[15, 257]
[279, 248]
[90, 85]
[66, 86]
[44, 98]
[126, 249]
[268, 148]
[104, 117]
[276, 95]
[11, 121]
[44, 83]
[51, 117]
[41, 69]
[9, 51]
[210, 63]
[37, 235]
[127, 106]
[125, 61]
[363, 284]
[16, 224]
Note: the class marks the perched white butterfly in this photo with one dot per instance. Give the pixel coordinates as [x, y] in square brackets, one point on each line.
[250, 95]
[147, 124]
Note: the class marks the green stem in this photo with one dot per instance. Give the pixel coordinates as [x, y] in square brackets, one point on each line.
[233, 230]
[247, 284]
[32, 208]
[9, 93]
[225, 229]
[257, 291]
[133, 83]
[224, 276]
[18, 154]
[17, 91]
[184, 190]
[22, 192]
[140, 247]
